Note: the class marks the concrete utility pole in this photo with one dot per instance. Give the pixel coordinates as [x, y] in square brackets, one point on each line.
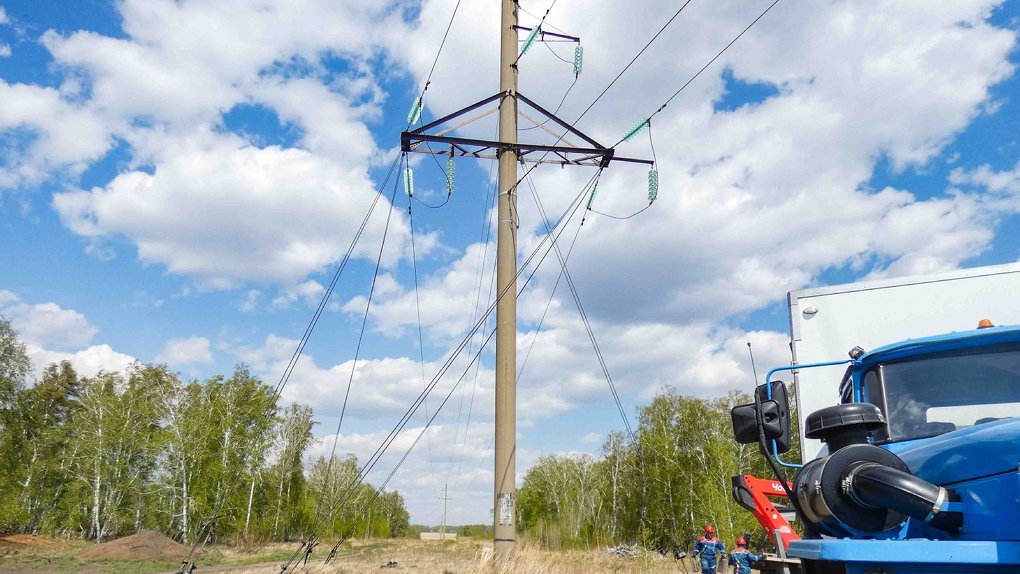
[442, 529]
[509, 153]
[504, 516]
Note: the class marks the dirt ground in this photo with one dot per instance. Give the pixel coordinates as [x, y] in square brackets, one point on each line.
[151, 552]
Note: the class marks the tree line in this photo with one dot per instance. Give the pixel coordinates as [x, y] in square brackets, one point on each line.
[658, 489]
[108, 455]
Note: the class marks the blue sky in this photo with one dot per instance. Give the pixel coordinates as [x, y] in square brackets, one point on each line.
[179, 179]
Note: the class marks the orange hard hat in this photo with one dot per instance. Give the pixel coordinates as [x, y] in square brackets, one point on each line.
[709, 529]
[741, 541]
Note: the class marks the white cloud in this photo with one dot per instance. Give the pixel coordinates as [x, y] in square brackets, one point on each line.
[3, 16]
[187, 351]
[310, 293]
[1005, 181]
[760, 200]
[184, 61]
[53, 334]
[55, 134]
[226, 213]
[46, 324]
[87, 362]
[381, 387]
[5, 51]
[442, 299]
[250, 301]
[164, 90]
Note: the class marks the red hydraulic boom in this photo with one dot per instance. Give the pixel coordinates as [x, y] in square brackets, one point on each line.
[753, 494]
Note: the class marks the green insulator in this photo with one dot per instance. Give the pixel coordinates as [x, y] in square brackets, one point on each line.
[530, 40]
[653, 185]
[408, 181]
[578, 60]
[636, 130]
[451, 172]
[591, 197]
[415, 114]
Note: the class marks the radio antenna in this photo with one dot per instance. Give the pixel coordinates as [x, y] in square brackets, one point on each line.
[753, 369]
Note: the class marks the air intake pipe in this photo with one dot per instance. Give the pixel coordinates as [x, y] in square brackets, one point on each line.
[877, 486]
[861, 488]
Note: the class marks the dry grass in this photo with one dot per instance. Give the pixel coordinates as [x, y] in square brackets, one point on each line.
[471, 557]
[465, 556]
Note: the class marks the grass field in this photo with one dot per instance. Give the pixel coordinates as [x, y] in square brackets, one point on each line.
[464, 556]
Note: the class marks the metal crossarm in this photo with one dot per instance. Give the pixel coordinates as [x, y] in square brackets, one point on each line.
[594, 155]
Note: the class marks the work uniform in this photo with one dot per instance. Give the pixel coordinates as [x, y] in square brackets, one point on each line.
[707, 548]
[741, 560]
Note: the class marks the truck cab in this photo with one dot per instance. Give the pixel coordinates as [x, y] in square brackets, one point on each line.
[920, 473]
[936, 385]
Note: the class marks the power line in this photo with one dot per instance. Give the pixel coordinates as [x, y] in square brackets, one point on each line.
[292, 363]
[428, 80]
[421, 344]
[536, 30]
[387, 442]
[486, 230]
[533, 15]
[361, 335]
[475, 359]
[552, 295]
[634, 59]
[584, 319]
[296, 355]
[705, 67]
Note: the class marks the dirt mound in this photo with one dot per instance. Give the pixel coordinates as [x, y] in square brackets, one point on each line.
[28, 539]
[146, 545]
[9, 546]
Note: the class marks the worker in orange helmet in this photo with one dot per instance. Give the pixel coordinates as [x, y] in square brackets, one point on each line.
[741, 559]
[708, 546]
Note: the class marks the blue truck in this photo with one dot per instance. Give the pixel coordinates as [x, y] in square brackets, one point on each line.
[920, 469]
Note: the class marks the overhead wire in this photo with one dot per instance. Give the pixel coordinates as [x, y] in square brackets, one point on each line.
[324, 300]
[610, 85]
[548, 304]
[556, 111]
[538, 28]
[428, 80]
[490, 200]
[710, 62]
[533, 15]
[604, 91]
[421, 344]
[584, 318]
[631, 63]
[559, 57]
[475, 358]
[204, 530]
[474, 361]
[295, 356]
[361, 334]
[391, 437]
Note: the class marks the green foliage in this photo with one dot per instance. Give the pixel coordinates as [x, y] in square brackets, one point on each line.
[475, 530]
[659, 490]
[104, 456]
[14, 363]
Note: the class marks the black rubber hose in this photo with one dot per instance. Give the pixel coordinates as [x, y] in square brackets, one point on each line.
[878, 486]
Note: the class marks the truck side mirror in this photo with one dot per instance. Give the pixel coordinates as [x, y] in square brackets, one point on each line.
[745, 422]
[775, 418]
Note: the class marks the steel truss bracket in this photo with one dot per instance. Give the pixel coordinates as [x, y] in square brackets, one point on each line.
[595, 154]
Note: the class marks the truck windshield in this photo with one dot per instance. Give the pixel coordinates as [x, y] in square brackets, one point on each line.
[941, 393]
